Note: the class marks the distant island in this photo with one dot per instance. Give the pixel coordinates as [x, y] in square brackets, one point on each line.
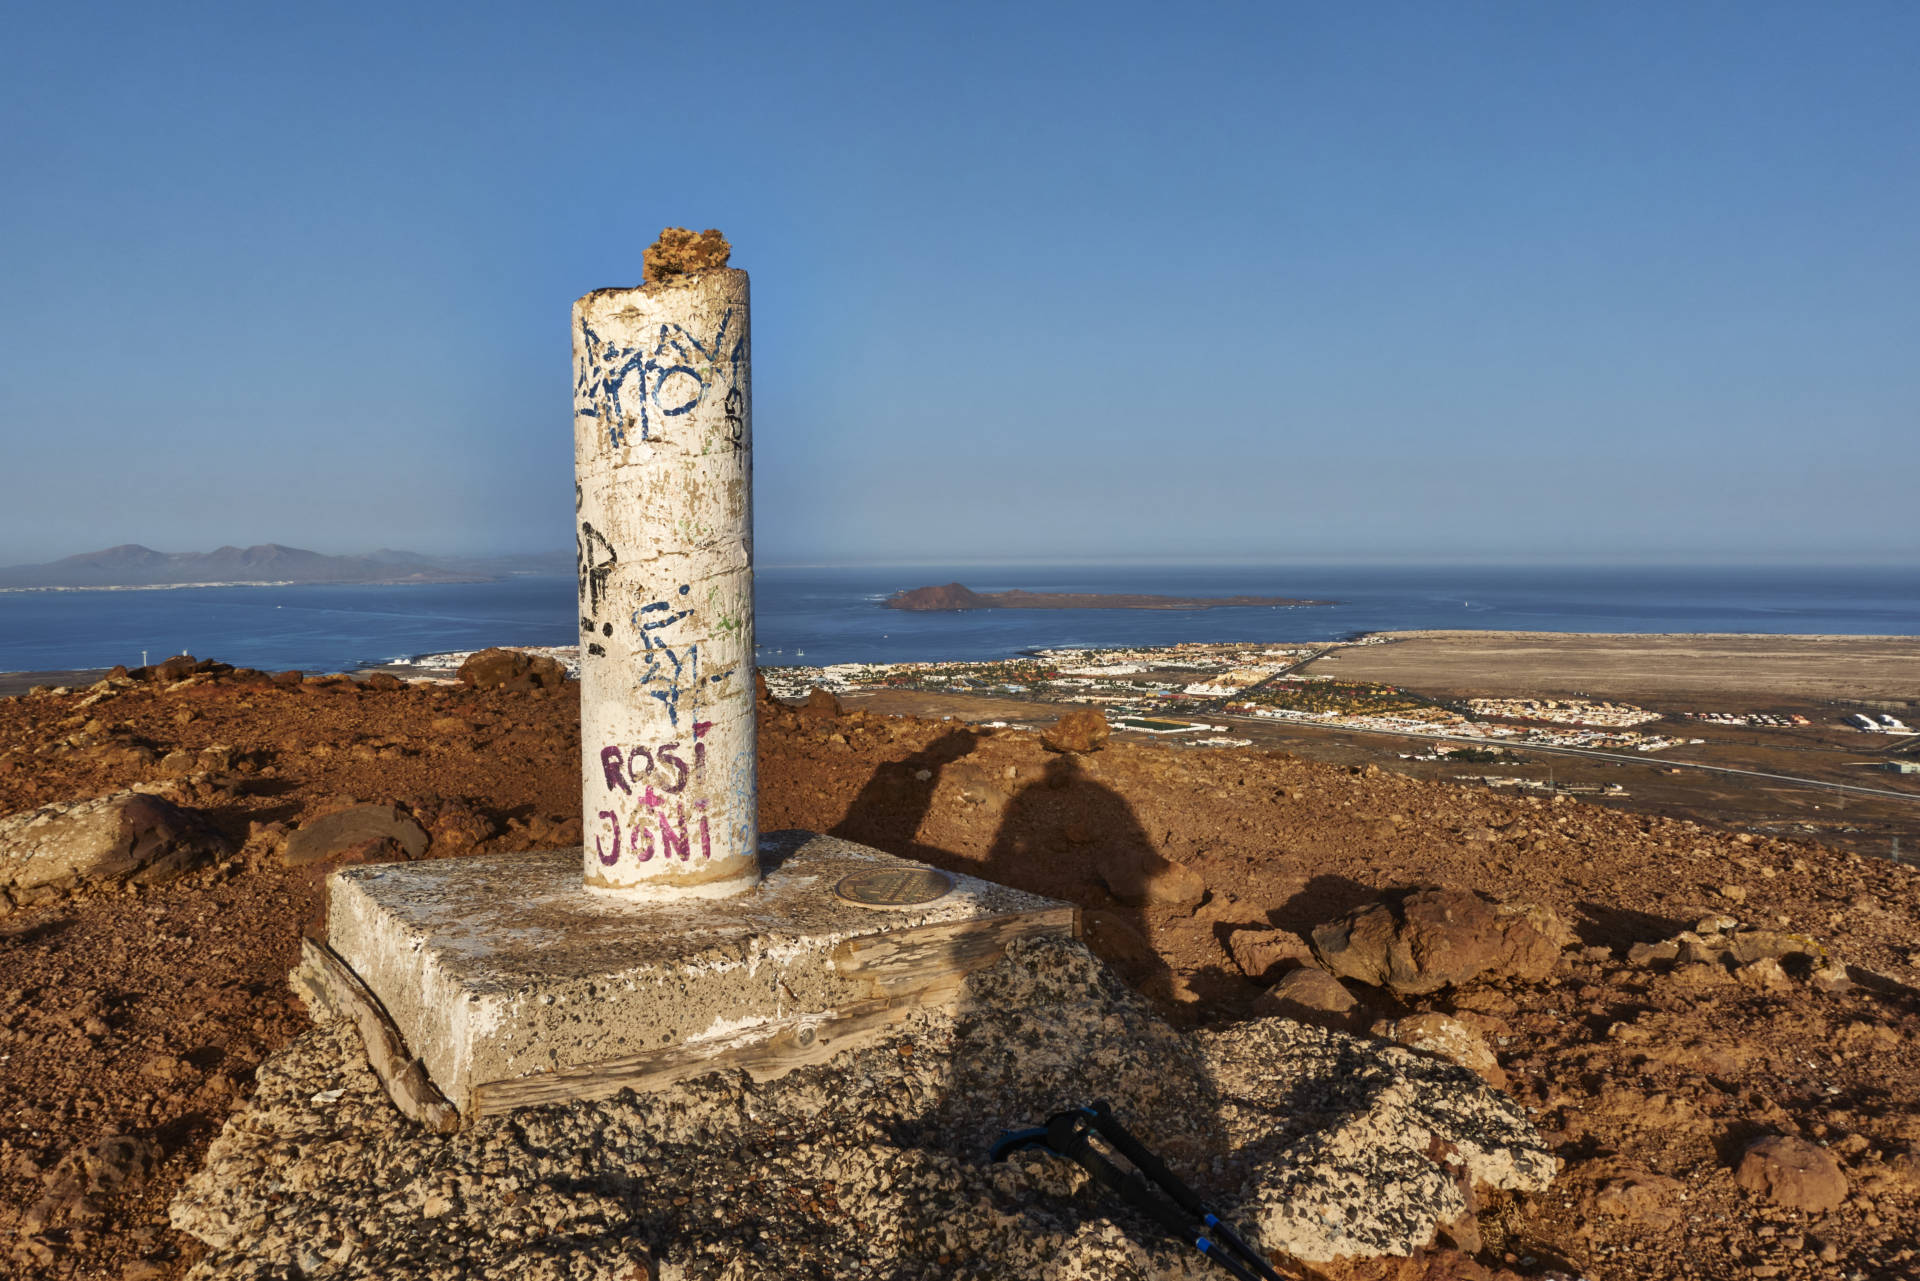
[954, 596]
[131, 565]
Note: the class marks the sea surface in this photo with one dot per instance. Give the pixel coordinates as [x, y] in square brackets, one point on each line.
[821, 616]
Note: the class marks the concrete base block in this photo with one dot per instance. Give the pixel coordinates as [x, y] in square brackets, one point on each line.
[513, 985]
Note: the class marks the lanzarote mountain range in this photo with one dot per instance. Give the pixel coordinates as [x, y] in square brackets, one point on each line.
[955, 596]
[132, 565]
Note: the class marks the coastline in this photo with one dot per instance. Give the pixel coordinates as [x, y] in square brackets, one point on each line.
[831, 617]
[244, 582]
[1287, 831]
[20, 682]
[1745, 645]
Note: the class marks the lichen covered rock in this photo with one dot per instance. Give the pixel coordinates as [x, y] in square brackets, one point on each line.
[873, 1165]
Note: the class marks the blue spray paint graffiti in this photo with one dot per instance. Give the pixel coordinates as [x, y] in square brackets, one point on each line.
[674, 375]
[674, 666]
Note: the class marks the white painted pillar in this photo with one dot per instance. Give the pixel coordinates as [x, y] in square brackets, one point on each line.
[663, 469]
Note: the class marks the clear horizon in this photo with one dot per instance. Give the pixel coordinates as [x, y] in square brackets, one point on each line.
[1631, 285]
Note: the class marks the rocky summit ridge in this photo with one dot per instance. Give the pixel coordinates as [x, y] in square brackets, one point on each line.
[1711, 1032]
[1319, 1144]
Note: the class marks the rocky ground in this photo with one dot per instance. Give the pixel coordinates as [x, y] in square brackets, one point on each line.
[873, 1165]
[1724, 1056]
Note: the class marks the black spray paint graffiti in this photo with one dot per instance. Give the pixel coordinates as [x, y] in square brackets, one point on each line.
[665, 380]
[736, 424]
[595, 558]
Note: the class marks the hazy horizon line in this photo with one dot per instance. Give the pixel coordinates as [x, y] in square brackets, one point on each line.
[1180, 560]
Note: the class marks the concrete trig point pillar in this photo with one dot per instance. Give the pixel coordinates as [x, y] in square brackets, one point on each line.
[482, 984]
[663, 469]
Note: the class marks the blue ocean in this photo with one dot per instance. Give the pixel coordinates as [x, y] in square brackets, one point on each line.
[819, 616]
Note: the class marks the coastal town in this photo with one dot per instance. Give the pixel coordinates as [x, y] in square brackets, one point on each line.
[1207, 695]
[1185, 690]
[1770, 753]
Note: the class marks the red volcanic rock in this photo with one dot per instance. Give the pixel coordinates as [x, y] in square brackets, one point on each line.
[1309, 995]
[1085, 730]
[1149, 880]
[1263, 954]
[121, 837]
[1434, 938]
[512, 671]
[1792, 1172]
[340, 833]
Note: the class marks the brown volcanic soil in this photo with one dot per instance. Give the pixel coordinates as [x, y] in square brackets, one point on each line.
[144, 1013]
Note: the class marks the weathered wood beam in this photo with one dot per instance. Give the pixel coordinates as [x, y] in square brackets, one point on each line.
[401, 1073]
[906, 960]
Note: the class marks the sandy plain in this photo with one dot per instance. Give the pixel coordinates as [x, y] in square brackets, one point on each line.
[1617, 665]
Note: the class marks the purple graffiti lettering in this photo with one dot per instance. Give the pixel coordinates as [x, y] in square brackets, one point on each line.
[666, 757]
[600, 850]
[634, 770]
[614, 768]
[670, 839]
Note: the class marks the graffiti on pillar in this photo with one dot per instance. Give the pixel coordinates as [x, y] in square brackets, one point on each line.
[595, 558]
[630, 389]
[672, 674]
[736, 423]
[672, 667]
[655, 778]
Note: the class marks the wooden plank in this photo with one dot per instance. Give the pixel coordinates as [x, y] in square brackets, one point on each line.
[797, 1043]
[905, 960]
[403, 1075]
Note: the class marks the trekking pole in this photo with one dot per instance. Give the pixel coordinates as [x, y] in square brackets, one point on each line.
[1154, 1168]
[1068, 1134]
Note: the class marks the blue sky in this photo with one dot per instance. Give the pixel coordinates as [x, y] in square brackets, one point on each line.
[1241, 281]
